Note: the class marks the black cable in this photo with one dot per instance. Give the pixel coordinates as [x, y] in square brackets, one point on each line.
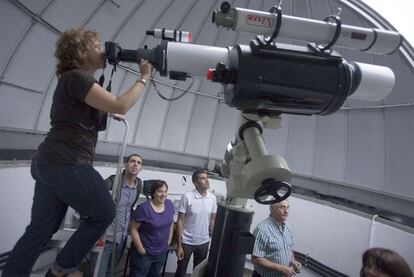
[172, 98]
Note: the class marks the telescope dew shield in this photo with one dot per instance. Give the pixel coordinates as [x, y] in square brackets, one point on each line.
[374, 82]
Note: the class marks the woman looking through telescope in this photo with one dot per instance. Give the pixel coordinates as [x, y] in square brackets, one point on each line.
[62, 166]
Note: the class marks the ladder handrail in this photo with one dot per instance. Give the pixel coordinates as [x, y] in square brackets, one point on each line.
[115, 194]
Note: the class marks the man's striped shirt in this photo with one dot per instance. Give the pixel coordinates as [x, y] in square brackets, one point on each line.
[273, 242]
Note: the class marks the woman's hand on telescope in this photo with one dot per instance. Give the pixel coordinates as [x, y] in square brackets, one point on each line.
[145, 68]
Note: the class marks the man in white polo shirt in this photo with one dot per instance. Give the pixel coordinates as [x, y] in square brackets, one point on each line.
[196, 215]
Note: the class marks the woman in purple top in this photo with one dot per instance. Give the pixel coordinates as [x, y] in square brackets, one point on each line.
[151, 231]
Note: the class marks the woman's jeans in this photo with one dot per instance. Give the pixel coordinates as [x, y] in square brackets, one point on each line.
[146, 265]
[57, 187]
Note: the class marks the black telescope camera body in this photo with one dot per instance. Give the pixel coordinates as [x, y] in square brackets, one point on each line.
[286, 79]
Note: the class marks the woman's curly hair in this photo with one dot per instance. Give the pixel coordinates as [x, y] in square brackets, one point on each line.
[72, 48]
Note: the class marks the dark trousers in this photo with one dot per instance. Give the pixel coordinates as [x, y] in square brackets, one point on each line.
[57, 187]
[200, 253]
[146, 265]
[255, 274]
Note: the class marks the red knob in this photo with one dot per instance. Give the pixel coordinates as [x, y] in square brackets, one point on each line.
[210, 73]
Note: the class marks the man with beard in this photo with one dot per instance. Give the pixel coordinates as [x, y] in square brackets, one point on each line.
[131, 187]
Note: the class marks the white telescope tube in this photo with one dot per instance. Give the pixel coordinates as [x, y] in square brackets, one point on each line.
[194, 59]
[264, 23]
[377, 82]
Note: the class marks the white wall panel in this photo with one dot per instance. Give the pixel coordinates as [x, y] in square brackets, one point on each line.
[208, 34]
[320, 9]
[366, 145]
[57, 13]
[116, 129]
[133, 32]
[175, 13]
[331, 236]
[301, 144]
[177, 121]
[196, 17]
[301, 8]
[18, 107]
[330, 151]
[43, 123]
[225, 128]
[10, 33]
[35, 6]
[201, 126]
[108, 18]
[401, 242]
[404, 81]
[399, 175]
[34, 64]
[22, 189]
[151, 121]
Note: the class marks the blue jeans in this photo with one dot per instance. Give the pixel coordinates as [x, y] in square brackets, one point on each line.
[57, 187]
[106, 261]
[146, 265]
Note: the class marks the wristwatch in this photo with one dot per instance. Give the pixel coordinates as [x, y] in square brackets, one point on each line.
[142, 81]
